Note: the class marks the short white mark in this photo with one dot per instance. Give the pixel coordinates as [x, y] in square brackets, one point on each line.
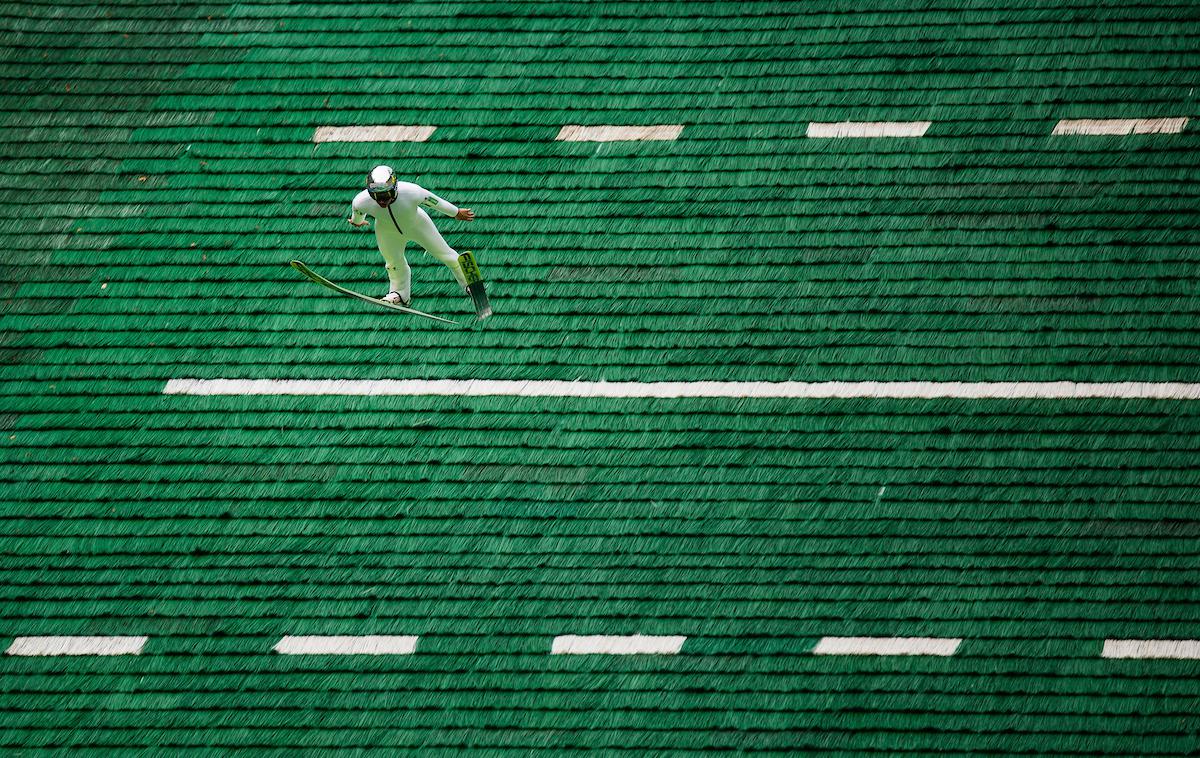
[1120, 126]
[347, 645]
[887, 646]
[1151, 649]
[634, 644]
[578, 133]
[373, 133]
[30, 646]
[844, 129]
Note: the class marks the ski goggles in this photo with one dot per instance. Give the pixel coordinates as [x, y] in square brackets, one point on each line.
[382, 191]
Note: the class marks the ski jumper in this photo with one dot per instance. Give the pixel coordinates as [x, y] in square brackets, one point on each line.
[405, 219]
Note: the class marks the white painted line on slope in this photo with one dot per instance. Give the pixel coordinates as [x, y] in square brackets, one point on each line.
[634, 644]
[798, 390]
[844, 129]
[76, 646]
[1151, 649]
[346, 645]
[373, 133]
[577, 133]
[886, 646]
[1120, 126]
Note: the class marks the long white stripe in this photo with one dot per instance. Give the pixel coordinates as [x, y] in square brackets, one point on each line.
[886, 646]
[1120, 126]
[577, 133]
[1151, 649]
[799, 390]
[843, 129]
[77, 646]
[373, 133]
[634, 644]
[347, 645]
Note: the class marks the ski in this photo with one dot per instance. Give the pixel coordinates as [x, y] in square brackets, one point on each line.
[475, 286]
[308, 272]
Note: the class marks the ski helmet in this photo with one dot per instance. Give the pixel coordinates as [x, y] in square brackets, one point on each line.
[381, 183]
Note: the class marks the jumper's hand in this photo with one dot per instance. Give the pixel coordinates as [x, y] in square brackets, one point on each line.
[465, 214]
[352, 222]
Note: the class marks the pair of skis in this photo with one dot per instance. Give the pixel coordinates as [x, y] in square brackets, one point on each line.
[470, 269]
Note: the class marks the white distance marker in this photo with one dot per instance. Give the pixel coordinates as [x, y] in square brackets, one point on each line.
[373, 133]
[1109, 127]
[33, 646]
[1185, 649]
[845, 129]
[346, 645]
[887, 646]
[671, 390]
[577, 133]
[633, 644]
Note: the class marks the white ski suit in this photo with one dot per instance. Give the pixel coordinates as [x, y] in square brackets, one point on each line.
[405, 219]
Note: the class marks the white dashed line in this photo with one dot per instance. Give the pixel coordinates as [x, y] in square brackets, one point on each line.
[886, 646]
[373, 133]
[577, 133]
[667, 390]
[1120, 126]
[347, 645]
[844, 129]
[1189, 649]
[77, 646]
[635, 644]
